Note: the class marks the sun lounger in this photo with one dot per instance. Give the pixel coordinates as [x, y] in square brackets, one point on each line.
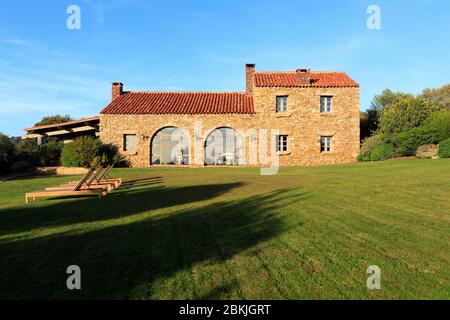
[101, 177]
[105, 177]
[91, 183]
[69, 191]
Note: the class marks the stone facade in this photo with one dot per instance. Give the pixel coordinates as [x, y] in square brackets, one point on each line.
[303, 123]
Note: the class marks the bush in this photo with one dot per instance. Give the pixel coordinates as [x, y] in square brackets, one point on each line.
[27, 150]
[46, 154]
[407, 142]
[81, 152]
[88, 151]
[99, 161]
[444, 149]
[368, 145]
[405, 114]
[440, 121]
[381, 152]
[7, 152]
[49, 153]
[427, 151]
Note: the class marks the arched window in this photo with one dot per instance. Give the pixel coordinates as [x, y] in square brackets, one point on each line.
[224, 146]
[170, 146]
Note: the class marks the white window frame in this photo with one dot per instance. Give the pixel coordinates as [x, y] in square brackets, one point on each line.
[326, 144]
[326, 104]
[125, 144]
[282, 103]
[282, 143]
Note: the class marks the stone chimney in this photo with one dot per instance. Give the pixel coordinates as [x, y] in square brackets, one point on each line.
[117, 90]
[249, 78]
[304, 75]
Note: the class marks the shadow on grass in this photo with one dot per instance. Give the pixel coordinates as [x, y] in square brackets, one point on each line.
[132, 198]
[126, 260]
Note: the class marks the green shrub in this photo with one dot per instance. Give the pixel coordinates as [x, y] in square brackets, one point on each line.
[7, 152]
[407, 142]
[440, 121]
[88, 151]
[99, 161]
[46, 154]
[49, 152]
[405, 114]
[27, 147]
[80, 152]
[444, 149]
[381, 152]
[120, 162]
[368, 145]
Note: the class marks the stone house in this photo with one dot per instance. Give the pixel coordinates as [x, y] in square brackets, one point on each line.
[301, 117]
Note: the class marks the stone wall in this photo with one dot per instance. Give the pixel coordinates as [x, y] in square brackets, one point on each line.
[303, 123]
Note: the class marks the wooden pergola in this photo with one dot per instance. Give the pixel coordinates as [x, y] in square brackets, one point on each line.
[65, 131]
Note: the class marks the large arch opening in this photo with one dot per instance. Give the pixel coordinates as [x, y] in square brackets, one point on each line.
[224, 146]
[170, 146]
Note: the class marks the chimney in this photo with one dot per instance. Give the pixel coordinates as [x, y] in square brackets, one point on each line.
[117, 90]
[304, 75]
[249, 78]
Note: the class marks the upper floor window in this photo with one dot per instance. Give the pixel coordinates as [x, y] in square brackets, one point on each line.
[282, 103]
[282, 143]
[129, 142]
[326, 103]
[326, 144]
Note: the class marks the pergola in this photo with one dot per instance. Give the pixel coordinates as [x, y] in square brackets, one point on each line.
[65, 131]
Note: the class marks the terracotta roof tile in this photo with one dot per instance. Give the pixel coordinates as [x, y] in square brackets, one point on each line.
[291, 79]
[180, 103]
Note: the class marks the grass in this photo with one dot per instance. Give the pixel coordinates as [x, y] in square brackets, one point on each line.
[219, 233]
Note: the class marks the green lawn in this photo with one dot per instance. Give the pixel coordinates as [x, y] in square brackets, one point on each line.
[218, 233]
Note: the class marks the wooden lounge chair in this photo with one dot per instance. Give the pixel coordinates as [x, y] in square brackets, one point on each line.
[105, 177]
[102, 177]
[90, 183]
[75, 191]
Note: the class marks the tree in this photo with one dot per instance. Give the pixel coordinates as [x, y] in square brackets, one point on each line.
[405, 114]
[365, 131]
[439, 96]
[53, 119]
[378, 104]
[7, 150]
[440, 122]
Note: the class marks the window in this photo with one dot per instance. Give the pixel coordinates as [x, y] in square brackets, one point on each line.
[282, 103]
[325, 144]
[282, 143]
[170, 146]
[325, 103]
[224, 146]
[129, 142]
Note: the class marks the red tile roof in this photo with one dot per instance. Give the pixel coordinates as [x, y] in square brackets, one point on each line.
[62, 124]
[291, 79]
[180, 103]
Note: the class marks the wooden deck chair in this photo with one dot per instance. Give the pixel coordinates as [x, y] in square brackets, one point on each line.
[105, 177]
[75, 191]
[91, 183]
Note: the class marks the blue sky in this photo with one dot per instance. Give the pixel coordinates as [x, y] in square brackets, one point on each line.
[202, 45]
